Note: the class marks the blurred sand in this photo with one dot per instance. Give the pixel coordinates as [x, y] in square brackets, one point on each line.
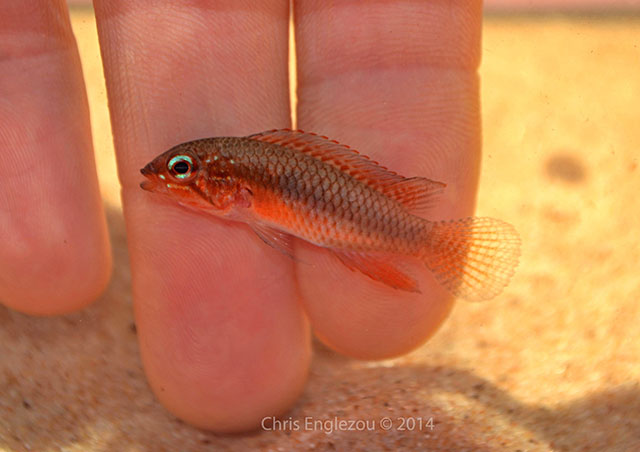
[553, 363]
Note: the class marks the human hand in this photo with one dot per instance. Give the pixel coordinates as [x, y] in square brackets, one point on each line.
[223, 337]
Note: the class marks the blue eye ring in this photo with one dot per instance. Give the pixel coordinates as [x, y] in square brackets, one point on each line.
[181, 166]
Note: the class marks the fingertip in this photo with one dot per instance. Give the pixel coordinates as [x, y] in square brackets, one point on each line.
[248, 401]
[55, 273]
[411, 103]
[363, 318]
[55, 256]
[226, 381]
[223, 338]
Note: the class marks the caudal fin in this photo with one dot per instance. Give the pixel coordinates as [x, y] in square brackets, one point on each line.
[474, 258]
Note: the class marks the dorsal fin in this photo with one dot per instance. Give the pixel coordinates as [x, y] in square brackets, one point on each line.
[330, 151]
[414, 193]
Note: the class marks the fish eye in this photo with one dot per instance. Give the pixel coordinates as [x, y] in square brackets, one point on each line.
[181, 166]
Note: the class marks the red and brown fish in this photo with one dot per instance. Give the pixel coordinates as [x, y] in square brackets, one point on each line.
[286, 183]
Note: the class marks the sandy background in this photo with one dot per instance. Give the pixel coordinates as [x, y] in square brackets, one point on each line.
[552, 364]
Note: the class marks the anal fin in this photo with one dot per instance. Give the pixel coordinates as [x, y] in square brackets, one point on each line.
[378, 268]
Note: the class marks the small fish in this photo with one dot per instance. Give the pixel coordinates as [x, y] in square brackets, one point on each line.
[286, 183]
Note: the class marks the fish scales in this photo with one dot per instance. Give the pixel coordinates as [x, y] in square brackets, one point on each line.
[312, 192]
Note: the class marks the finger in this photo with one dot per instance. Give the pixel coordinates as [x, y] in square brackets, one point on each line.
[405, 92]
[55, 255]
[223, 339]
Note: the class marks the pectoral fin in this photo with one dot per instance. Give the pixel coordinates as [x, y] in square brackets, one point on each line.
[275, 238]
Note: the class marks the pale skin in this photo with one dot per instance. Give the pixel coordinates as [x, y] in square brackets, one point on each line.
[223, 320]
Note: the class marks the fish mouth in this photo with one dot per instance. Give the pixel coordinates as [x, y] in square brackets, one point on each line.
[149, 184]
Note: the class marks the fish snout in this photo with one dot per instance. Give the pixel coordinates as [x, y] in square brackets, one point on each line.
[147, 170]
[150, 183]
